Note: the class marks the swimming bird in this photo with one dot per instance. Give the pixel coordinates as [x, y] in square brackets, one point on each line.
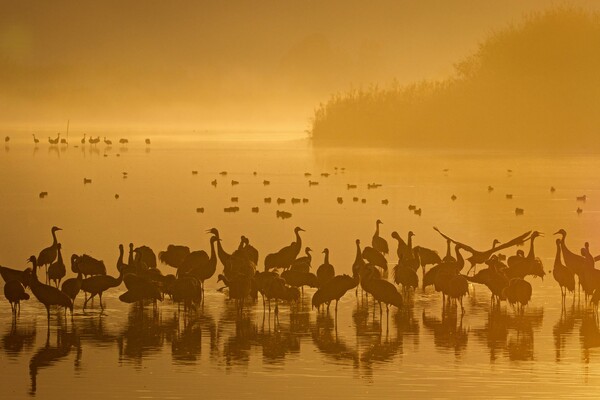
[564, 276]
[123, 141]
[326, 271]
[57, 270]
[49, 254]
[46, 294]
[379, 243]
[14, 293]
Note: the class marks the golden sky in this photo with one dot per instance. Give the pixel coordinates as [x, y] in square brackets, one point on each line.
[224, 65]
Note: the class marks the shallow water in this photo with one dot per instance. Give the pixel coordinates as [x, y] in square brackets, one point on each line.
[419, 352]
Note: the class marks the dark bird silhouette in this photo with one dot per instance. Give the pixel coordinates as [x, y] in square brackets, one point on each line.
[240, 287]
[140, 289]
[303, 264]
[186, 290]
[374, 257]
[35, 140]
[326, 271]
[224, 257]
[96, 285]
[83, 139]
[426, 257]
[249, 251]
[49, 254]
[174, 256]
[120, 263]
[405, 276]
[147, 141]
[480, 257]
[520, 266]
[379, 243]
[107, 141]
[206, 269]
[382, 291]
[87, 265]
[299, 279]
[492, 277]
[359, 262]
[123, 141]
[14, 293]
[406, 254]
[574, 262]
[562, 274]
[457, 288]
[448, 257]
[285, 256]
[334, 289]
[46, 294]
[518, 292]
[72, 286]
[57, 270]
[10, 274]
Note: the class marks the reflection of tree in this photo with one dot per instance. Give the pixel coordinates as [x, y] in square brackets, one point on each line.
[448, 333]
[48, 355]
[511, 333]
[18, 338]
[562, 329]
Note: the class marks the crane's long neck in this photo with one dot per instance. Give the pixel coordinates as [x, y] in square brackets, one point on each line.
[213, 256]
[377, 229]
[448, 254]
[358, 253]
[409, 243]
[130, 260]
[531, 254]
[298, 239]
[60, 259]
[223, 255]
[120, 261]
[326, 257]
[54, 241]
[557, 258]
[460, 261]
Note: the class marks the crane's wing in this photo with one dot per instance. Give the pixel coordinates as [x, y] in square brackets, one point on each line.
[464, 246]
[510, 243]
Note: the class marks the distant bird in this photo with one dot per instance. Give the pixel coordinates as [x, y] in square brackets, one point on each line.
[54, 141]
[562, 274]
[107, 141]
[57, 270]
[7, 139]
[123, 141]
[14, 293]
[147, 141]
[453, 197]
[46, 294]
[379, 243]
[83, 140]
[519, 211]
[334, 289]
[552, 189]
[49, 254]
[35, 140]
[326, 271]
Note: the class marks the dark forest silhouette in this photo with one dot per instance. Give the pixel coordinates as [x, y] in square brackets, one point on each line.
[531, 85]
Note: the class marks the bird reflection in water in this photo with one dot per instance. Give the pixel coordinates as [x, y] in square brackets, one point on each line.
[325, 338]
[511, 333]
[448, 333]
[589, 334]
[562, 330]
[186, 342]
[49, 355]
[18, 338]
[143, 335]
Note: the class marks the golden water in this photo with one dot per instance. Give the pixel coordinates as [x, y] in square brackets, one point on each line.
[420, 352]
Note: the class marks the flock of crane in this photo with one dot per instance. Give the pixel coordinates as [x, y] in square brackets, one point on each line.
[91, 140]
[286, 272]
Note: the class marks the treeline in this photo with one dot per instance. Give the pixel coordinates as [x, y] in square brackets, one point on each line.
[531, 85]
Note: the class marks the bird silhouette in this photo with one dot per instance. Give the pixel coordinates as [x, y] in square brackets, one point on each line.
[299, 279]
[334, 289]
[72, 286]
[379, 243]
[286, 255]
[35, 140]
[250, 251]
[96, 285]
[204, 270]
[46, 294]
[107, 141]
[240, 287]
[120, 263]
[174, 256]
[186, 290]
[521, 266]
[492, 277]
[480, 257]
[382, 291]
[88, 265]
[574, 262]
[57, 270]
[14, 293]
[11, 274]
[83, 139]
[518, 292]
[49, 254]
[302, 264]
[405, 276]
[564, 276]
[426, 257]
[374, 257]
[326, 271]
[224, 257]
[405, 251]
[448, 257]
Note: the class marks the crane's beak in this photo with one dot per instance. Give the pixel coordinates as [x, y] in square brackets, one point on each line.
[556, 233]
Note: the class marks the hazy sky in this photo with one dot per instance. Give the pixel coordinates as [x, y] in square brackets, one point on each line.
[224, 64]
